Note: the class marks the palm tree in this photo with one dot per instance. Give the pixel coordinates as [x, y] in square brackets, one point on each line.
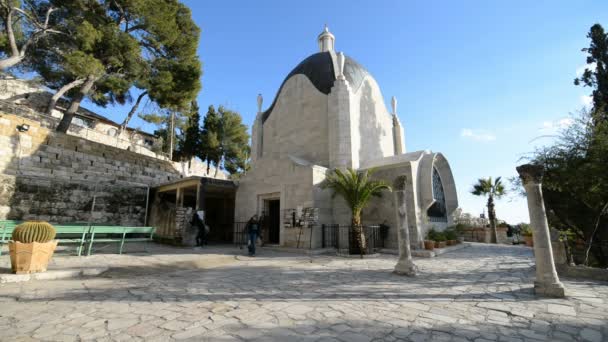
[357, 189]
[485, 187]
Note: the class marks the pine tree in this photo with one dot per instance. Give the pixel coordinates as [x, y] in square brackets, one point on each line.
[596, 75]
[110, 47]
[189, 146]
[225, 141]
[210, 139]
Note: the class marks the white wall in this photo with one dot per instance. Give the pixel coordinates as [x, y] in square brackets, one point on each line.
[297, 125]
[372, 125]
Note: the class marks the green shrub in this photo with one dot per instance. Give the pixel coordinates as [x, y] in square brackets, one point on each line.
[432, 234]
[440, 236]
[450, 234]
[526, 230]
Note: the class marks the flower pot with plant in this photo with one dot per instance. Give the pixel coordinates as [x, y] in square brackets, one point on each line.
[450, 236]
[32, 247]
[440, 241]
[526, 232]
[429, 243]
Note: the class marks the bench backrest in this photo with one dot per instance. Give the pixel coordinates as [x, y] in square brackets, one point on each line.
[69, 229]
[122, 230]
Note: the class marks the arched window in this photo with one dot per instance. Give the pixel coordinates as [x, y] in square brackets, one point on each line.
[437, 212]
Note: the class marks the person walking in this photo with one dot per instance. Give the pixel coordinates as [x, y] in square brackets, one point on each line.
[253, 230]
[198, 220]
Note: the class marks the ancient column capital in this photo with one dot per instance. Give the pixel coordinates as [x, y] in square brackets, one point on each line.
[531, 173]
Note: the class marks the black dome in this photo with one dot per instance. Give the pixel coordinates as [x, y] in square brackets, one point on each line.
[319, 69]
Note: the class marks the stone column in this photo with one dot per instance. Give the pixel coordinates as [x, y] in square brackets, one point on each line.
[547, 282]
[405, 265]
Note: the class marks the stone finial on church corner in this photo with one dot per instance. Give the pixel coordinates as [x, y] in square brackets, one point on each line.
[341, 60]
[260, 100]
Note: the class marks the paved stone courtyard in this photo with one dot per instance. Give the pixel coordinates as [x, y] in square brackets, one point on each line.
[478, 293]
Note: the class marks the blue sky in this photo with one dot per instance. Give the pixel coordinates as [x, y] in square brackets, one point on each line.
[475, 80]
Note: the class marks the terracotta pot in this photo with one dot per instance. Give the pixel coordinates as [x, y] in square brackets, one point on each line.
[529, 240]
[440, 244]
[31, 257]
[429, 244]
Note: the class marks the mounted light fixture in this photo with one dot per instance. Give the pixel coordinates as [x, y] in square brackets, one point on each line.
[23, 127]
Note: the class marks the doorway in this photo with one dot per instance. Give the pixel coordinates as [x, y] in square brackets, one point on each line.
[274, 221]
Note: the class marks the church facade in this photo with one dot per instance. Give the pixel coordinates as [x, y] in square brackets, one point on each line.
[329, 113]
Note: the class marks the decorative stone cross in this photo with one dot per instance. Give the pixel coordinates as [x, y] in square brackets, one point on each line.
[405, 265]
[547, 282]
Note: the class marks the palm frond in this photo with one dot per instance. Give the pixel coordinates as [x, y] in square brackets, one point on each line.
[355, 187]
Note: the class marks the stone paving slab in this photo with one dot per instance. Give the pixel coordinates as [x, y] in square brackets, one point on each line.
[52, 274]
[480, 293]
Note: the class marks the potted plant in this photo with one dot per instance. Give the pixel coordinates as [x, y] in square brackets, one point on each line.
[460, 230]
[440, 240]
[450, 236]
[429, 243]
[526, 232]
[32, 247]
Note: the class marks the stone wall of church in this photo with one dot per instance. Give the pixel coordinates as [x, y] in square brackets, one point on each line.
[371, 124]
[54, 176]
[296, 186]
[297, 125]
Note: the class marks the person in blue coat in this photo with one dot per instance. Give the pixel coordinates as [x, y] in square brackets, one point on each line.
[253, 229]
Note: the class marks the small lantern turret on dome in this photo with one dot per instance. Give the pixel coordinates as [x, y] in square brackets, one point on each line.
[326, 40]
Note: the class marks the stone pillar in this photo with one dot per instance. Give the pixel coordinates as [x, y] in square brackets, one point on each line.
[547, 282]
[405, 264]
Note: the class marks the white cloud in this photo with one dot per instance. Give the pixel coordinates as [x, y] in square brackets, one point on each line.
[477, 135]
[552, 126]
[581, 69]
[587, 101]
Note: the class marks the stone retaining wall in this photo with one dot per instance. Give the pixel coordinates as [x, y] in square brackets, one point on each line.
[53, 176]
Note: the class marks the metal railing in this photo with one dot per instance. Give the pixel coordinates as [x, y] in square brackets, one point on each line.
[240, 235]
[344, 238]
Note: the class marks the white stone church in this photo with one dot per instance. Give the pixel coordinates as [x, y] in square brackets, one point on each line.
[330, 113]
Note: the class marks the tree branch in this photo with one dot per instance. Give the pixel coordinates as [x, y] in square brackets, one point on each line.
[597, 225]
[11, 34]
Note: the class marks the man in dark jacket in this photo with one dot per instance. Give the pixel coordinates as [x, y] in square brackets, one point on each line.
[253, 230]
[198, 222]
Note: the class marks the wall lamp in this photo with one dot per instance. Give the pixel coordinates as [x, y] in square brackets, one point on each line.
[23, 127]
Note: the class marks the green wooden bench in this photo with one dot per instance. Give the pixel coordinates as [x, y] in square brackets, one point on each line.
[123, 235]
[66, 234]
[73, 233]
[6, 231]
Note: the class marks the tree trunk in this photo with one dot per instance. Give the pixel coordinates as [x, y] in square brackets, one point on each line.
[15, 56]
[64, 125]
[492, 218]
[171, 136]
[131, 112]
[358, 237]
[597, 225]
[59, 94]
